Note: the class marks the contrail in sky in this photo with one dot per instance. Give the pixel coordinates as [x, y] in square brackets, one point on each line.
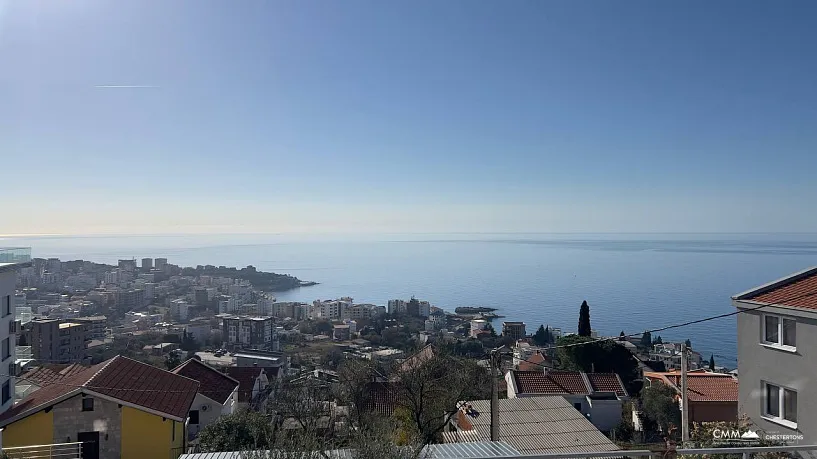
[124, 86]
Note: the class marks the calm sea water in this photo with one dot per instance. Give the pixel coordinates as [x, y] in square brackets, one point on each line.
[632, 282]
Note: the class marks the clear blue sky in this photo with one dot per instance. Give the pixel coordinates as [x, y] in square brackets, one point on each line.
[407, 116]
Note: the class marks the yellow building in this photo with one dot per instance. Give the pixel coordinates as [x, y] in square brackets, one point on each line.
[119, 408]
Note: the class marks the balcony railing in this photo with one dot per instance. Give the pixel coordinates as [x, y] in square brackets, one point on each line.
[15, 254]
[55, 451]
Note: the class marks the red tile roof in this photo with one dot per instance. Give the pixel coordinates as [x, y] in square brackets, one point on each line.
[798, 290]
[213, 384]
[567, 383]
[246, 379]
[123, 379]
[536, 362]
[539, 382]
[382, 399]
[47, 374]
[607, 382]
[703, 387]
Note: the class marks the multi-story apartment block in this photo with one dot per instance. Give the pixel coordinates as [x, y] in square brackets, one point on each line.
[777, 355]
[396, 307]
[10, 259]
[513, 330]
[55, 341]
[95, 326]
[241, 332]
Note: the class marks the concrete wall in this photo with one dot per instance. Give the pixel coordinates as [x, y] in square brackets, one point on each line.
[796, 370]
[106, 418]
[604, 414]
[8, 280]
[206, 416]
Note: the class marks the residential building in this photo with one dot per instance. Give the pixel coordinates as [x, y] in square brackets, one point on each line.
[199, 331]
[524, 350]
[53, 340]
[119, 408]
[341, 332]
[331, 309]
[217, 395]
[598, 396]
[670, 355]
[243, 332]
[396, 307]
[133, 298]
[711, 397]
[229, 304]
[9, 326]
[537, 425]
[478, 327]
[160, 264]
[127, 265]
[200, 296]
[179, 309]
[777, 354]
[359, 311]
[261, 358]
[436, 321]
[253, 383]
[147, 264]
[95, 326]
[513, 330]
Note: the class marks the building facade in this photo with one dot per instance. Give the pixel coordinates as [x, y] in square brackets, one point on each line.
[240, 332]
[777, 354]
[9, 328]
[513, 330]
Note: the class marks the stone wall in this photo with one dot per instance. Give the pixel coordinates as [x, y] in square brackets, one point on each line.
[106, 418]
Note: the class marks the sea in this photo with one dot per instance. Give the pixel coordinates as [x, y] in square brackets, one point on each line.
[632, 282]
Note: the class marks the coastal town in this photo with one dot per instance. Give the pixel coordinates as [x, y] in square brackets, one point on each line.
[218, 338]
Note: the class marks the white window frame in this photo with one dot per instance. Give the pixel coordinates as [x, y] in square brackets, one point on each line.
[781, 418]
[779, 343]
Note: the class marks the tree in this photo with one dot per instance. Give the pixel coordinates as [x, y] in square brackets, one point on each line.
[540, 337]
[172, 361]
[712, 362]
[241, 431]
[548, 335]
[646, 339]
[688, 344]
[428, 389]
[492, 330]
[660, 405]
[584, 319]
[589, 355]
[657, 340]
[622, 336]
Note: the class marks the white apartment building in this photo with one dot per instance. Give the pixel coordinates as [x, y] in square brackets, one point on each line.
[397, 306]
[179, 309]
[230, 305]
[9, 327]
[331, 309]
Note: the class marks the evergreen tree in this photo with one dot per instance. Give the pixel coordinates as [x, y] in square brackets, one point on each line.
[540, 338]
[622, 336]
[548, 335]
[646, 339]
[584, 320]
[658, 340]
[688, 344]
[712, 362]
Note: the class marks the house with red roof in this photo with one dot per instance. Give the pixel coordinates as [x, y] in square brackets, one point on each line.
[777, 354]
[599, 396]
[711, 397]
[119, 408]
[217, 396]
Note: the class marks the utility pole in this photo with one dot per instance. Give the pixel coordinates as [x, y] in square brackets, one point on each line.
[684, 400]
[494, 361]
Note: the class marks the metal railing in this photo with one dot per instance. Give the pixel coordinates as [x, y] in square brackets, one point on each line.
[53, 451]
[745, 452]
[15, 254]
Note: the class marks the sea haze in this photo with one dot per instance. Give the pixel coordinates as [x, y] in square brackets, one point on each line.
[631, 281]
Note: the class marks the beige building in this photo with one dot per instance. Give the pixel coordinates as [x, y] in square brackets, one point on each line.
[56, 342]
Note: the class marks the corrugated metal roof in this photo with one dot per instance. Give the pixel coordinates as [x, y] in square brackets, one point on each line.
[448, 451]
[539, 425]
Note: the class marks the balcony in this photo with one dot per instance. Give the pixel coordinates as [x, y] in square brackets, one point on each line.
[15, 255]
[53, 451]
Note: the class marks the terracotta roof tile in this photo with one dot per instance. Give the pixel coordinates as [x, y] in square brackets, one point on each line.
[797, 291]
[213, 384]
[607, 382]
[561, 382]
[47, 374]
[157, 389]
[703, 387]
[246, 379]
[382, 398]
[536, 362]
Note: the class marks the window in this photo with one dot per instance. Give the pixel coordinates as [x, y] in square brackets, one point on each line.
[173, 430]
[6, 349]
[779, 331]
[87, 404]
[6, 392]
[6, 305]
[194, 417]
[780, 404]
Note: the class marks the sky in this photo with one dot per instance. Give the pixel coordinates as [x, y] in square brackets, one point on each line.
[155, 117]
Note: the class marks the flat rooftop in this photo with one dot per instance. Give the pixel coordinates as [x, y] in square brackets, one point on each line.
[69, 325]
